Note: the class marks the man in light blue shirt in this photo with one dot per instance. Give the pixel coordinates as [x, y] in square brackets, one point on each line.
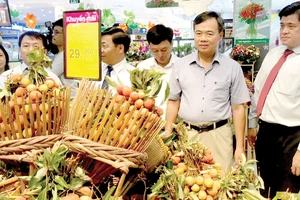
[207, 89]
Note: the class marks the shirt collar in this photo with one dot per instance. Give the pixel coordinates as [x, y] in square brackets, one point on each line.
[169, 65]
[119, 66]
[23, 67]
[296, 49]
[217, 58]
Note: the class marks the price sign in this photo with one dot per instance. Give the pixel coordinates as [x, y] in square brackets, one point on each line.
[82, 44]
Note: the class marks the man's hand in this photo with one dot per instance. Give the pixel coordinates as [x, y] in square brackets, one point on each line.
[166, 134]
[251, 137]
[296, 164]
[238, 155]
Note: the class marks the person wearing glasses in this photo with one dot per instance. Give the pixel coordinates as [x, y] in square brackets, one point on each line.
[58, 61]
[58, 40]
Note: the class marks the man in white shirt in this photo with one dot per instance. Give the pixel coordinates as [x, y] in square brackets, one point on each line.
[276, 108]
[160, 39]
[115, 44]
[28, 41]
[58, 61]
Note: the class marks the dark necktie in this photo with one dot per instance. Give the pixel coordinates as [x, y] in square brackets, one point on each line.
[269, 82]
[108, 73]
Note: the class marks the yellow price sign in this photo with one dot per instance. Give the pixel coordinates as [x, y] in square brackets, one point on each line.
[82, 44]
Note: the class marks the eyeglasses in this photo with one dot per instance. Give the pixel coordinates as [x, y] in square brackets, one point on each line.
[56, 32]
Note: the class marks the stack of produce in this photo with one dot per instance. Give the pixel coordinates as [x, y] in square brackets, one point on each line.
[193, 174]
[127, 117]
[58, 176]
[32, 104]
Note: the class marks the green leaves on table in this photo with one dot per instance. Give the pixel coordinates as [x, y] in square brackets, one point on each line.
[57, 174]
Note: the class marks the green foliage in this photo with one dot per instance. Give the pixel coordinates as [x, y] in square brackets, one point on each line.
[56, 175]
[108, 19]
[183, 50]
[161, 3]
[14, 13]
[130, 16]
[148, 80]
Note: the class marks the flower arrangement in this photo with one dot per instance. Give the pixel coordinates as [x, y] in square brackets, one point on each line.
[252, 14]
[244, 54]
[138, 51]
[161, 3]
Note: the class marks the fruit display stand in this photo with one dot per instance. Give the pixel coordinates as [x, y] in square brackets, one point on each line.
[192, 173]
[106, 158]
[113, 120]
[109, 132]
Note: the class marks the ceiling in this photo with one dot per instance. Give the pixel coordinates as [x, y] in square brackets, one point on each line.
[45, 10]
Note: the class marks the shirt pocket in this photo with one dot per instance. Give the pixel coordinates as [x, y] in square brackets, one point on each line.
[288, 84]
[220, 91]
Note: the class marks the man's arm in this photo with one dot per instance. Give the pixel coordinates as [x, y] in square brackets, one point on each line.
[239, 119]
[296, 162]
[171, 115]
[252, 124]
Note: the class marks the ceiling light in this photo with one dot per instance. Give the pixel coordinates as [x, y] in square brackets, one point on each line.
[21, 5]
[42, 9]
[44, 15]
[50, 11]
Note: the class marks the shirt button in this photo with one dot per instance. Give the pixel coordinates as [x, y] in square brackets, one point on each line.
[203, 98]
[201, 110]
[203, 85]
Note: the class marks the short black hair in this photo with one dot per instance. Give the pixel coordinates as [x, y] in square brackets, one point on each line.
[36, 35]
[290, 9]
[118, 37]
[58, 22]
[6, 67]
[209, 15]
[159, 33]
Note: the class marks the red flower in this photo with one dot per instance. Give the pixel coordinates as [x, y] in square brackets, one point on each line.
[252, 12]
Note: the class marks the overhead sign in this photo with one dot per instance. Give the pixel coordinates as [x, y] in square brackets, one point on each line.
[74, 1]
[82, 44]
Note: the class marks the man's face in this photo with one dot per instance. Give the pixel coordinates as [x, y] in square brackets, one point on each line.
[27, 44]
[58, 36]
[207, 36]
[290, 31]
[109, 50]
[162, 52]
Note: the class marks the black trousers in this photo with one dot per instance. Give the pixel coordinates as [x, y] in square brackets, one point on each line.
[275, 147]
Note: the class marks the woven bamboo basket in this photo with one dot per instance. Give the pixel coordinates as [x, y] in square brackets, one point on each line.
[101, 117]
[157, 153]
[21, 117]
[97, 156]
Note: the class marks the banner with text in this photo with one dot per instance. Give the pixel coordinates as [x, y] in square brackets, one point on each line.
[82, 44]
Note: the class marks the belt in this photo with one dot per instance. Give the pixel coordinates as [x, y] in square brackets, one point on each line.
[205, 127]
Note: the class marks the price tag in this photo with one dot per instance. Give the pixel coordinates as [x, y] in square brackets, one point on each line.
[82, 30]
